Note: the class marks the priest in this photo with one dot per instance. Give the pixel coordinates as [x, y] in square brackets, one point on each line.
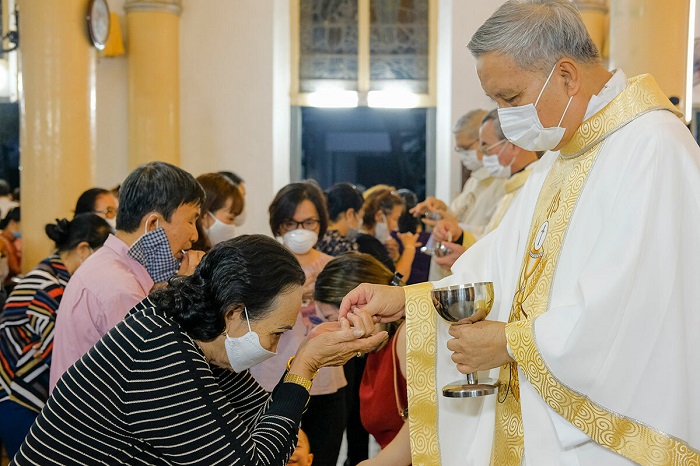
[595, 266]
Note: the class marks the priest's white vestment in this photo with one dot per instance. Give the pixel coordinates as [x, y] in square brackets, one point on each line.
[595, 268]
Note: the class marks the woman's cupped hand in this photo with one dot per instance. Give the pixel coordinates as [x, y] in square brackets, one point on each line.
[335, 343]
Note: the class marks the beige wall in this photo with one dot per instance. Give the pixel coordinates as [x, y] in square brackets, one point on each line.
[234, 101]
[235, 95]
[111, 98]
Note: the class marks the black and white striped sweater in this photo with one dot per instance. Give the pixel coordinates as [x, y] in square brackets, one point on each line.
[145, 394]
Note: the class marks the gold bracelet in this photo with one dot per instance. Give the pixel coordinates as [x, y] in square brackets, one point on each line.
[299, 380]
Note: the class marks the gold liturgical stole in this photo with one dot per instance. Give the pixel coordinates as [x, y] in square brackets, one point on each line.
[555, 207]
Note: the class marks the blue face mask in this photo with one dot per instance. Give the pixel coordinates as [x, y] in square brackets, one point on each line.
[152, 250]
[17, 234]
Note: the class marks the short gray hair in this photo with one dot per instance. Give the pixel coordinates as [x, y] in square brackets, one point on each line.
[470, 123]
[493, 115]
[536, 33]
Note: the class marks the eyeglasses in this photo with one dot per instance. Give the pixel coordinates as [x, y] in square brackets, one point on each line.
[485, 149]
[308, 224]
[467, 147]
[109, 212]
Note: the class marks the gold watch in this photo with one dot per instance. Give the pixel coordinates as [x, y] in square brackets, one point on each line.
[297, 379]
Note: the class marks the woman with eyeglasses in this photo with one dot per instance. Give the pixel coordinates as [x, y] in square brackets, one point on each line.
[298, 216]
[101, 202]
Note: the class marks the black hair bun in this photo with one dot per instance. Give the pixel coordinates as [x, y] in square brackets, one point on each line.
[59, 231]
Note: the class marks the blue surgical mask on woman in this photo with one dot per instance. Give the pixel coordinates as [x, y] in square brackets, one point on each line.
[246, 351]
[152, 250]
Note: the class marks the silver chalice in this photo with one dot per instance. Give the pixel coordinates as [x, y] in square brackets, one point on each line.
[454, 303]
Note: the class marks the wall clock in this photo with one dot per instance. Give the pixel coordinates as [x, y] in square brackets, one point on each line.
[98, 23]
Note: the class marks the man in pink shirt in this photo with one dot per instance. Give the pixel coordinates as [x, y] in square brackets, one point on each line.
[158, 207]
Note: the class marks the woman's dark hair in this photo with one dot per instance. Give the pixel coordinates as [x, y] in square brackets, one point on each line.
[407, 222]
[381, 199]
[345, 272]
[288, 199]
[235, 179]
[86, 201]
[12, 215]
[155, 187]
[249, 270]
[218, 189]
[341, 197]
[68, 234]
[5, 188]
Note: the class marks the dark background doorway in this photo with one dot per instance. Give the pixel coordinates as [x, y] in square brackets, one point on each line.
[365, 146]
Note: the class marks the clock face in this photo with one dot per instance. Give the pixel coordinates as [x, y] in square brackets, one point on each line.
[98, 22]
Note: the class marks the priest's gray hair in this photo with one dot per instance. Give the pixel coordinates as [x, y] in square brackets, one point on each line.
[493, 115]
[470, 123]
[536, 33]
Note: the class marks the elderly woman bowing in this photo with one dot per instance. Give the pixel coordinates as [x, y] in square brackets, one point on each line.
[169, 384]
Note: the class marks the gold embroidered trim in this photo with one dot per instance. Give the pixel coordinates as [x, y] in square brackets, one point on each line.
[642, 95]
[421, 357]
[555, 206]
[628, 437]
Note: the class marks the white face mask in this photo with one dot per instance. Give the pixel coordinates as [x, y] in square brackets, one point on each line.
[112, 223]
[219, 231]
[246, 351]
[300, 241]
[493, 165]
[470, 160]
[240, 218]
[381, 230]
[522, 125]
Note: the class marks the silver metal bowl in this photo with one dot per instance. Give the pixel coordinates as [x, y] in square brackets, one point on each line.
[456, 304]
[470, 300]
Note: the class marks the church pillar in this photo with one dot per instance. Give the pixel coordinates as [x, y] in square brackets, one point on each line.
[649, 36]
[57, 116]
[154, 82]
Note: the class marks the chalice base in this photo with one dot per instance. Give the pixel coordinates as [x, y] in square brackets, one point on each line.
[461, 389]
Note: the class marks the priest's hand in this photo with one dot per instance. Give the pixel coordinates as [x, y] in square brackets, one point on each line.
[447, 229]
[447, 261]
[384, 303]
[479, 346]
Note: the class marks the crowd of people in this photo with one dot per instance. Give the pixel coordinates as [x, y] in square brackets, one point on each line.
[158, 248]
[154, 333]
